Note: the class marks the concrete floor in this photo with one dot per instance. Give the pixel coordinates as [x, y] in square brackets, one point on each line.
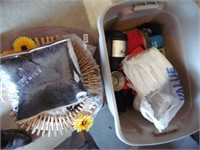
[18, 15]
[103, 133]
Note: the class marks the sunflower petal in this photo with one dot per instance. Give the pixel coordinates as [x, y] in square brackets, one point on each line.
[6, 52]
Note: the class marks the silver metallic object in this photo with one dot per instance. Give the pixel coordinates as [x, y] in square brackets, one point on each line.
[42, 79]
[118, 79]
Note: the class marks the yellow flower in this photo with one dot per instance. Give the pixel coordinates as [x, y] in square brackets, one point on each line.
[23, 43]
[6, 52]
[83, 122]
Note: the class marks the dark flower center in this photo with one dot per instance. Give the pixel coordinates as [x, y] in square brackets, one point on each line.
[23, 47]
[84, 122]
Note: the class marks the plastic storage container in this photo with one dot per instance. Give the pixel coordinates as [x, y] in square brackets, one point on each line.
[180, 22]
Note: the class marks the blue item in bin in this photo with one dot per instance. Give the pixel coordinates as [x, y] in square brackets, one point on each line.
[156, 41]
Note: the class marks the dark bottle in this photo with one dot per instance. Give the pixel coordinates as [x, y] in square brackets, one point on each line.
[116, 45]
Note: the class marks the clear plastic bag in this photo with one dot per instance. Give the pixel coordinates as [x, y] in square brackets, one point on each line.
[160, 94]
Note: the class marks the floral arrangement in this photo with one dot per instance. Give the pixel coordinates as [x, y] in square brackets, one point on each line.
[83, 123]
[22, 43]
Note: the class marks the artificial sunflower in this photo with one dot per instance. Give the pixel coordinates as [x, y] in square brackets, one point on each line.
[23, 43]
[83, 123]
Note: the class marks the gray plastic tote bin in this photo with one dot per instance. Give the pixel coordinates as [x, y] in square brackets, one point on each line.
[180, 20]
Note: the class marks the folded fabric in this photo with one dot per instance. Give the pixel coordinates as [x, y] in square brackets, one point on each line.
[42, 79]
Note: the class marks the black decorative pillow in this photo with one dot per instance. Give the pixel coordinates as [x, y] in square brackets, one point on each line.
[42, 79]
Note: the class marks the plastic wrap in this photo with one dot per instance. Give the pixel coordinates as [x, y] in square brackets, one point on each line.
[160, 93]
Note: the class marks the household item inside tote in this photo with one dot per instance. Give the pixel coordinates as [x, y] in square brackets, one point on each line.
[181, 44]
[131, 42]
[143, 37]
[119, 80]
[116, 44]
[154, 33]
[124, 94]
[157, 84]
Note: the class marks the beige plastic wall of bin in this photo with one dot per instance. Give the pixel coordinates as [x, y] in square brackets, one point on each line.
[181, 22]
